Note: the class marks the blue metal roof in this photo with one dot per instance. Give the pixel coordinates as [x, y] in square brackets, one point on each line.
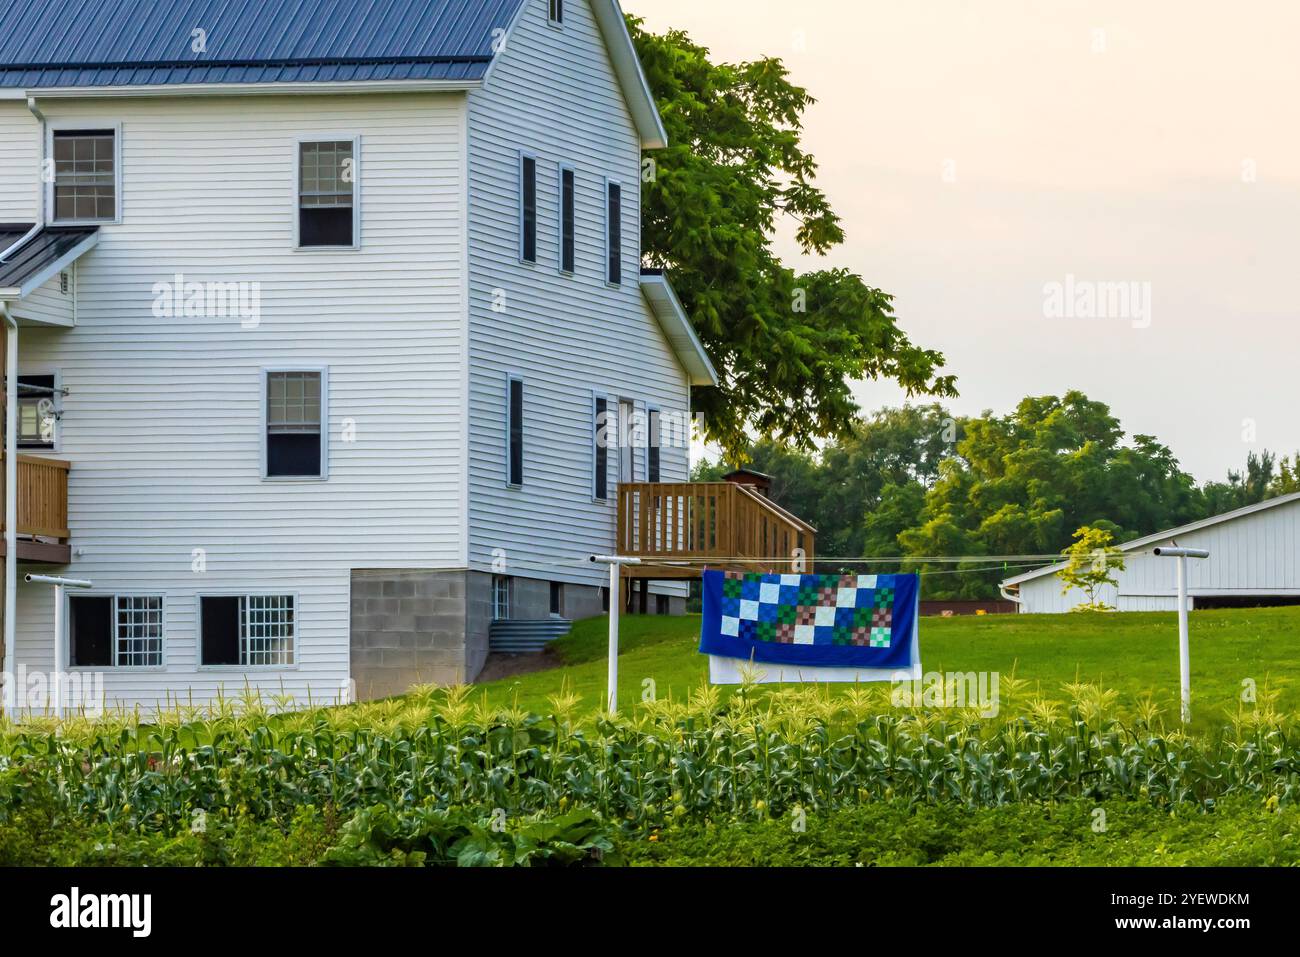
[73, 43]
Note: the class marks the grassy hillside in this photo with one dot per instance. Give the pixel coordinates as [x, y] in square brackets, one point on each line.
[1134, 655]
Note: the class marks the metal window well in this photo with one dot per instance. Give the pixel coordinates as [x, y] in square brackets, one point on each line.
[526, 637]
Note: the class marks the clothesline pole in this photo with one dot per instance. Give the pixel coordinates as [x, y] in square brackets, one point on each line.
[616, 564]
[1184, 645]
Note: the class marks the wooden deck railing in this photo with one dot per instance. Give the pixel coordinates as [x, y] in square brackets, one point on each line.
[42, 497]
[723, 521]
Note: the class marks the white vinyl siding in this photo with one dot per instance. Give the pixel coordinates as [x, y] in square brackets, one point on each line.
[163, 421]
[569, 336]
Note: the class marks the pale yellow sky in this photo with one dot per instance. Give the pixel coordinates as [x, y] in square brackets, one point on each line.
[979, 151]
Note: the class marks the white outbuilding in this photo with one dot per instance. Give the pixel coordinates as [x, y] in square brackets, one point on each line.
[1254, 560]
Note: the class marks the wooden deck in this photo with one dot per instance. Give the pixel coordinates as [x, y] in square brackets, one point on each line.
[676, 529]
[42, 509]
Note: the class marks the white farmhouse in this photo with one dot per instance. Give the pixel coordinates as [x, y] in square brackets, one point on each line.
[1254, 560]
[318, 315]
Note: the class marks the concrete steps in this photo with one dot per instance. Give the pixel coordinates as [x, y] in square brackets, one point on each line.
[526, 637]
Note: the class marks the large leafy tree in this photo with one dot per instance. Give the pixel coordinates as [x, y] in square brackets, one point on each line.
[786, 345]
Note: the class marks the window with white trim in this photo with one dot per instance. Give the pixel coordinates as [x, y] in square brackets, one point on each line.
[600, 448]
[567, 204]
[327, 193]
[528, 208]
[613, 233]
[653, 445]
[37, 411]
[500, 597]
[626, 442]
[295, 413]
[515, 431]
[85, 175]
[251, 631]
[115, 631]
[555, 14]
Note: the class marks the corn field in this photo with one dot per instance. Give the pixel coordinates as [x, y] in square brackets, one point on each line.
[747, 759]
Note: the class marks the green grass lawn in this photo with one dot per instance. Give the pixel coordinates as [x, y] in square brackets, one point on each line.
[1135, 655]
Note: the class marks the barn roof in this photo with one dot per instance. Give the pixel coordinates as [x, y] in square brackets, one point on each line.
[1138, 544]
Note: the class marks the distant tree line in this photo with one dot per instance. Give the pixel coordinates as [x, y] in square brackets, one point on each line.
[918, 481]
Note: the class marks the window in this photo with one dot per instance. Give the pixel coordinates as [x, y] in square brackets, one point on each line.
[251, 631]
[515, 431]
[115, 631]
[326, 194]
[653, 446]
[556, 12]
[37, 411]
[85, 175]
[604, 598]
[528, 209]
[601, 446]
[614, 233]
[626, 443]
[557, 599]
[294, 414]
[566, 219]
[500, 597]
[661, 605]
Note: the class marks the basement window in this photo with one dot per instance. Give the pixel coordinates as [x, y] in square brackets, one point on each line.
[557, 599]
[248, 631]
[115, 631]
[295, 412]
[327, 175]
[85, 176]
[500, 598]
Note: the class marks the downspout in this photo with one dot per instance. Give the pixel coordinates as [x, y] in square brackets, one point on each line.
[40, 180]
[11, 503]
[1010, 597]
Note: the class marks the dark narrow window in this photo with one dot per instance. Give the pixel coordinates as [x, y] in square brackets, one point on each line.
[220, 630]
[85, 178]
[293, 425]
[326, 181]
[661, 604]
[566, 220]
[604, 598]
[556, 12]
[602, 448]
[652, 448]
[91, 632]
[528, 209]
[614, 233]
[557, 599]
[515, 414]
[36, 411]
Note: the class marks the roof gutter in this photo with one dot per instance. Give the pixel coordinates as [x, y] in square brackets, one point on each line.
[1010, 597]
[325, 88]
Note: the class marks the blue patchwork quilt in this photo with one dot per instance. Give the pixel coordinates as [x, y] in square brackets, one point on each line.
[829, 621]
